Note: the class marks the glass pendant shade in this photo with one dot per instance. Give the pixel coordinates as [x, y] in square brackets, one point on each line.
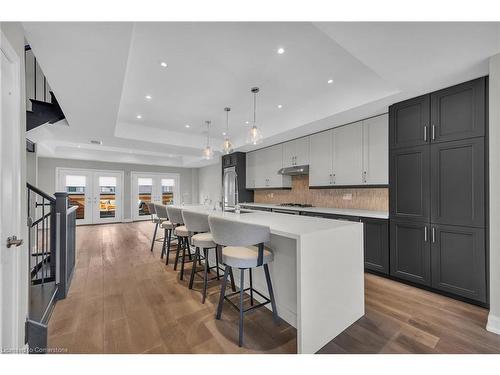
[254, 136]
[208, 152]
[227, 146]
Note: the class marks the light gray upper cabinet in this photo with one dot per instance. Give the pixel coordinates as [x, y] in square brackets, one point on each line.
[376, 150]
[321, 159]
[296, 152]
[348, 154]
[250, 170]
[263, 166]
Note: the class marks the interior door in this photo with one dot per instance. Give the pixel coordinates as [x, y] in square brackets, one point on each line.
[107, 197]
[13, 259]
[78, 185]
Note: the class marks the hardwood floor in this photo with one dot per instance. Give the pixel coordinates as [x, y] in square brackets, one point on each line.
[123, 299]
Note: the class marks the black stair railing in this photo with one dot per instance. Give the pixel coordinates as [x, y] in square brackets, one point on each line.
[52, 253]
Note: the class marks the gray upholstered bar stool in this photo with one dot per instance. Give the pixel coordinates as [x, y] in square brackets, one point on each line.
[197, 224]
[166, 225]
[182, 234]
[239, 251]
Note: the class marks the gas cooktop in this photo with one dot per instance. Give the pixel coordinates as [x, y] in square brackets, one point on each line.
[295, 205]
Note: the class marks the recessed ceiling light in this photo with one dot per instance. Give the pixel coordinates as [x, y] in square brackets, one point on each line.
[138, 117]
[187, 126]
[78, 146]
[148, 97]
[247, 122]
[330, 81]
[281, 51]
[223, 133]
[163, 64]
[280, 106]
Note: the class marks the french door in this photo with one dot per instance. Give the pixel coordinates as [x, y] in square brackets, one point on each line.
[153, 187]
[97, 194]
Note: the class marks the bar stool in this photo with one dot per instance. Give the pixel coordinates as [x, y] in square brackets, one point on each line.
[197, 223]
[166, 225]
[182, 234]
[238, 251]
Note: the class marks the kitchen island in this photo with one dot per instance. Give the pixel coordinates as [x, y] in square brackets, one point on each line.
[317, 273]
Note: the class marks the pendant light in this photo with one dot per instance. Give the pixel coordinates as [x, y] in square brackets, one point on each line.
[227, 147]
[254, 136]
[208, 153]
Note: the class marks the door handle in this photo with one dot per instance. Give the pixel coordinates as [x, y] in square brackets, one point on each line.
[364, 176]
[425, 233]
[334, 179]
[433, 132]
[433, 235]
[425, 133]
[14, 241]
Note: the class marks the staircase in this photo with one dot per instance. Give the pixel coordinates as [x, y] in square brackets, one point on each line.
[41, 105]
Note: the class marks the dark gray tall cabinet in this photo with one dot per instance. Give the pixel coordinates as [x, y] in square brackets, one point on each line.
[438, 192]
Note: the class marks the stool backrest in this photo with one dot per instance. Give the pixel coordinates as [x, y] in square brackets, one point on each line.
[161, 211]
[175, 215]
[151, 208]
[233, 233]
[196, 221]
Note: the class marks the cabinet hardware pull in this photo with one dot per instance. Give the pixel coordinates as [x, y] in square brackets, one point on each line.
[364, 176]
[433, 132]
[425, 133]
[433, 235]
[425, 233]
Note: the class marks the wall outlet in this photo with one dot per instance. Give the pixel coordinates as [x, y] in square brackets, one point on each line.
[347, 197]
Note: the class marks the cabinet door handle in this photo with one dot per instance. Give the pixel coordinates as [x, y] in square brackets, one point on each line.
[364, 176]
[334, 179]
[425, 233]
[425, 133]
[433, 234]
[433, 132]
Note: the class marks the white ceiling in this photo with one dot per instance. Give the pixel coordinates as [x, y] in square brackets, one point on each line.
[101, 73]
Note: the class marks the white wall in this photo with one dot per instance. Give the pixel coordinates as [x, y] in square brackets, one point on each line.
[494, 225]
[188, 176]
[210, 183]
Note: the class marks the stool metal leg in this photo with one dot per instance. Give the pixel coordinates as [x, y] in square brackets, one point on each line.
[154, 237]
[193, 270]
[179, 244]
[251, 286]
[164, 243]
[233, 287]
[222, 292]
[169, 238]
[271, 293]
[205, 275]
[186, 244]
[242, 293]
[217, 263]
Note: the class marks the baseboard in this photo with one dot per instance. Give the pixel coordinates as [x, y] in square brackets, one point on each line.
[127, 220]
[493, 324]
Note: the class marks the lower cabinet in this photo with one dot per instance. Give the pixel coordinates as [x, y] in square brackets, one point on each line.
[458, 261]
[376, 244]
[410, 251]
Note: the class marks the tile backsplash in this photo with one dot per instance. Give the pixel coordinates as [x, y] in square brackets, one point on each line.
[376, 199]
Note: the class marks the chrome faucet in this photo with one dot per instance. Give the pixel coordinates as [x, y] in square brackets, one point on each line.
[230, 172]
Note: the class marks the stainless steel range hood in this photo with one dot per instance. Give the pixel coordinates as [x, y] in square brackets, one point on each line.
[294, 171]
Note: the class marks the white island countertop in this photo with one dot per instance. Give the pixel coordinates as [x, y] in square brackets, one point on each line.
[324, 210]
[290, 226]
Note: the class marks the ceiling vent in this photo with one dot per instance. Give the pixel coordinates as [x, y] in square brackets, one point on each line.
[95, 142]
